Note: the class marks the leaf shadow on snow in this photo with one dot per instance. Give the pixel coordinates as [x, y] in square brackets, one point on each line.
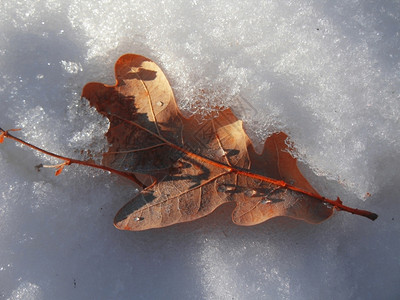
[33, 64]
[33, 75]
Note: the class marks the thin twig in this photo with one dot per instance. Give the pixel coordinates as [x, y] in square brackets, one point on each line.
[69, 161]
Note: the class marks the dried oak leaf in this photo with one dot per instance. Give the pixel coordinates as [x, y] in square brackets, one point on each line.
[194, 167]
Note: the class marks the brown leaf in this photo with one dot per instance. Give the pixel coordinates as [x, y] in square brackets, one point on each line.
[187, 169]
[195, 167]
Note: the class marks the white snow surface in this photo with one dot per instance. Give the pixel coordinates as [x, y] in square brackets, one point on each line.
[325, 72]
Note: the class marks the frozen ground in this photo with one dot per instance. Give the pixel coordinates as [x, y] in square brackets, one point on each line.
[326, 72]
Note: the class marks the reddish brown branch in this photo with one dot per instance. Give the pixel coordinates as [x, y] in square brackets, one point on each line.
[335, 203]
[69, 161]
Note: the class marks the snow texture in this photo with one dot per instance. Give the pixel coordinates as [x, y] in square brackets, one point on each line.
[325, 72]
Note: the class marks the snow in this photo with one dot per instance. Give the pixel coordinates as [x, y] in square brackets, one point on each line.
[325, 72]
